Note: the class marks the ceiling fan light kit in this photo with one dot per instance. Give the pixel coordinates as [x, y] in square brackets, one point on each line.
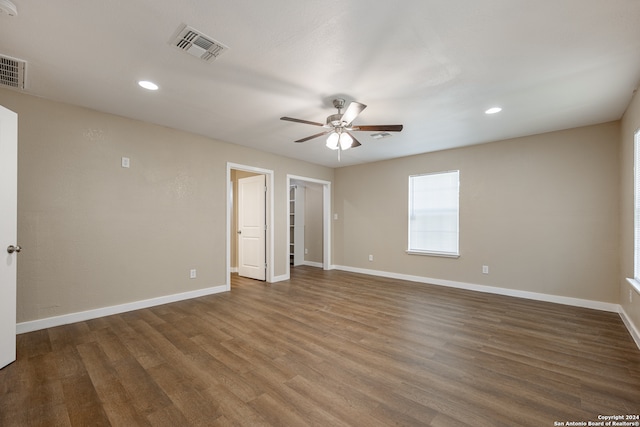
[339, 126]
[336, 140]
[332, 141]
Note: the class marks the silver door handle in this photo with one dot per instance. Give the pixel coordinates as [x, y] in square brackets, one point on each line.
[11, 249]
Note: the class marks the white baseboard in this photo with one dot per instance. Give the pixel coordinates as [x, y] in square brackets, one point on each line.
[50, 322]
[635, 333]
[233, 269]
[577, 302]
[280, 278]
[313, 264]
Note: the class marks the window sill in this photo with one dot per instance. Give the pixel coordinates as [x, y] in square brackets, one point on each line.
[634, 284]
[437, 254]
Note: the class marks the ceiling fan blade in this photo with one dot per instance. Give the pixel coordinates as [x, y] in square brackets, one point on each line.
[301, 121]
[355, 143]
[314, 136]
[386, 128]
[352, 112]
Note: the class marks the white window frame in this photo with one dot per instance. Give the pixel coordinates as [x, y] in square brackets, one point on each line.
[413, 247]
[635, 281]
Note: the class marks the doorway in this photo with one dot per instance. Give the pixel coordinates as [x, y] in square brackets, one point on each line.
[257, 254]
[309, 222]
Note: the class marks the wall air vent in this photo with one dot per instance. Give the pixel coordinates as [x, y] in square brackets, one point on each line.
[12, 72]
[197, 44]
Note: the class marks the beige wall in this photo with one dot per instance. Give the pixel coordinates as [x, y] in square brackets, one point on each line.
[540, 211]
[544, 212]
[97, 235]
[630, 123]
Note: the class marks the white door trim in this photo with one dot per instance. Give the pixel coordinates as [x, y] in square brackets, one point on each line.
[326, 219]
[270, 218]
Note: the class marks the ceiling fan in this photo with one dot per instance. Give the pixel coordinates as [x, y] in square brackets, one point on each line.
[339, 126]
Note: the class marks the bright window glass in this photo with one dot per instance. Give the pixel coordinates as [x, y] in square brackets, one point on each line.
[434, 213]
[636, 209]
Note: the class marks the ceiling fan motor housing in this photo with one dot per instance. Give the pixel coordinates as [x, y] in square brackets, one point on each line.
[338, 103]
[335, 120]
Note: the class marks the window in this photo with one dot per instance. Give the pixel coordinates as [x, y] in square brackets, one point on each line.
[636, 208]
[433, 213]
[635, 282]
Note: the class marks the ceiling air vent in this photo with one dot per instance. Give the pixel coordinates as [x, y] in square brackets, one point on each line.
[12, 72]
[380, 135]
[197, 44]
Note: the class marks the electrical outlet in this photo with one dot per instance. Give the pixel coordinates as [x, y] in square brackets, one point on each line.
[125, 162]
[370, 257]
[306, 251]
[485, 269]
[192, 273]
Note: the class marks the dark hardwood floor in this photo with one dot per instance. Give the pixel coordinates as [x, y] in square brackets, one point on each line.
[328, 349]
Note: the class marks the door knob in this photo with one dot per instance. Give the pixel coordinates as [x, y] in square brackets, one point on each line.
[239, 231]
[11, 249]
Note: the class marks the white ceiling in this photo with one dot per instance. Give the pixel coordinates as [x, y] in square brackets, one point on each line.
[432, 65]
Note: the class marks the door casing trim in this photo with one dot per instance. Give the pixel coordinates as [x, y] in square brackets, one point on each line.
[269, 218]
[326, 220]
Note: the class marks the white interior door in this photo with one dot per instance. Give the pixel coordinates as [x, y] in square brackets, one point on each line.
[8, 233]
[252, 227]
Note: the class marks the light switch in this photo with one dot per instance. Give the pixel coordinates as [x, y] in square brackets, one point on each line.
[125, 162]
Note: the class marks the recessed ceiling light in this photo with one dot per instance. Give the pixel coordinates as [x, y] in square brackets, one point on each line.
[148, 85]
[493, 110]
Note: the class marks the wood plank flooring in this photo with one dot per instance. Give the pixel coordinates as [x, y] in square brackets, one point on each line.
[328, 349]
